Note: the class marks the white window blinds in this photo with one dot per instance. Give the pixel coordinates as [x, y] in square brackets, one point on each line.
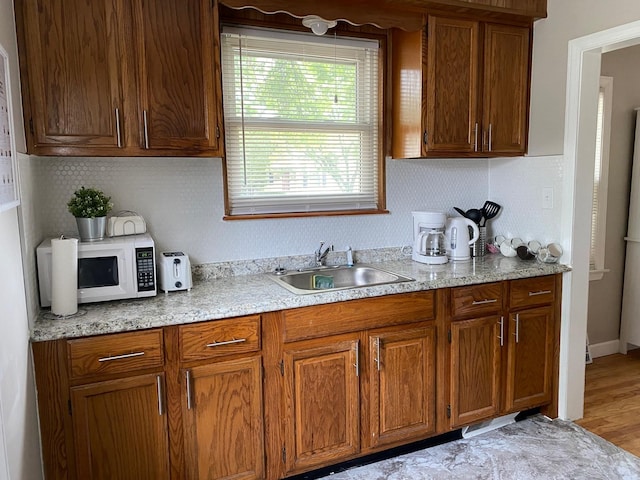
[301, 122]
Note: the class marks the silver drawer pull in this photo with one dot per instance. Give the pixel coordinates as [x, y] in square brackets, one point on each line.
[484, 302]
[541, 292]
[226, 342]
[120, 357]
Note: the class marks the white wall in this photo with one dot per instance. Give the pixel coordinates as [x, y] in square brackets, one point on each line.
[20, 458]
[567, 20]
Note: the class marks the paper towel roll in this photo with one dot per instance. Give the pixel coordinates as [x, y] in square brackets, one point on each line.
[64, 276]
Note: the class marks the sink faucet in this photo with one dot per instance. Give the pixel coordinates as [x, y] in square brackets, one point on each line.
[321, 255]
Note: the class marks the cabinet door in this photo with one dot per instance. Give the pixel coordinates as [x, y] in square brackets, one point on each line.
[223, 420]
[178, 63]
[120, 429]
[402, 384]
[475, 369]
[452, 86]
[530, 359]
[322, 403]
[72, 59]
[506, 89]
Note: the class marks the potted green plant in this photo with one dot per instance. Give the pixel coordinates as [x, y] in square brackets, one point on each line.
[90, 206]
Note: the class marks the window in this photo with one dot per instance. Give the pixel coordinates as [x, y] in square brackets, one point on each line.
[302, 123]
[600, 180]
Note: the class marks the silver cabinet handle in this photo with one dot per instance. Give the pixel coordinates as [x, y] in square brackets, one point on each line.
[118, 131]
[501, 337]
[160, 396]
[490, 138]
[475, 141]
[378, 353]
[357, 364]
[188, 380]
[540, 292]
[226, 342]
[484, 302]
[120, 357]
[146, 129]
[517, 334]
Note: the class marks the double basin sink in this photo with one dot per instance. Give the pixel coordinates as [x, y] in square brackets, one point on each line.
[323, 279]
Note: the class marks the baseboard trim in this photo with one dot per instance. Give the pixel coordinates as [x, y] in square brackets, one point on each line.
[604, 348]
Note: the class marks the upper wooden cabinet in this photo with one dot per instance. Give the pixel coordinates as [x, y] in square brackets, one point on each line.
[460, 89]
[120, 78]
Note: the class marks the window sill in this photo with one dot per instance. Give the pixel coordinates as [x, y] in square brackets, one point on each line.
[597, 274]
[305, 214]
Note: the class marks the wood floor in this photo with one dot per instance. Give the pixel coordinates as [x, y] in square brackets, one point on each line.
[612, 400]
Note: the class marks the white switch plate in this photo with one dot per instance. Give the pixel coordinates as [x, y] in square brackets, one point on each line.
[547, 197]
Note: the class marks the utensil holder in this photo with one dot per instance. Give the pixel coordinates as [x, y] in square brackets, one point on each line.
[479, 248]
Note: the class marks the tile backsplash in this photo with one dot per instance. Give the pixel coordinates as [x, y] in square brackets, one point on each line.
[182, 201]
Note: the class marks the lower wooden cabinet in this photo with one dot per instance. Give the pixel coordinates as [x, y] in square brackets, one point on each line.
[322, 401]
[223, 420]
[475, 370]
[120, 429]
[265, 397]
[402, 384]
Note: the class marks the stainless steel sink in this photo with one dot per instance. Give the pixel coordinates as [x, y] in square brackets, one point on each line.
[324, 279]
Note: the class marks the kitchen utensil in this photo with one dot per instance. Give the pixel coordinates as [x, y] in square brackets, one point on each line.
[490, 210]
[457, 238]
[479, 248]
[429, 244]
[460, 211]
[474, 214]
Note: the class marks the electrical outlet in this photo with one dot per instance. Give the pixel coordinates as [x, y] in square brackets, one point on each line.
[547, 197]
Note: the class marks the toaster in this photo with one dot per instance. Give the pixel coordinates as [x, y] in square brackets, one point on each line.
[174, 271]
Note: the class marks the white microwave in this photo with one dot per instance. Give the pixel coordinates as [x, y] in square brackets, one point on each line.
[111, 269]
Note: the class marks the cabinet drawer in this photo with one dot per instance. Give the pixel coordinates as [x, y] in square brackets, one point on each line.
[476, 300]
[218, 338]
[532, 291]
[117, 353]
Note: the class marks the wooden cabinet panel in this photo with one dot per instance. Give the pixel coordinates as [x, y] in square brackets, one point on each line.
[475, 369]
[177, 45]
[354, 315]
[120, 429]
[402, 385]
[530, 359]
[116, 353]
[322, 403]
[223, 420]
[506, 88]
[219, 338]
[452, 85]
[476, 300]
[73, 53]
[532, 291]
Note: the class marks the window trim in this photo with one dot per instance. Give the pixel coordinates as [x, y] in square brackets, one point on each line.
[355, 32]
[598, 270]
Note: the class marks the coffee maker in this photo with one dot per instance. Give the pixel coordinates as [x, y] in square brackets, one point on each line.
[429, 245]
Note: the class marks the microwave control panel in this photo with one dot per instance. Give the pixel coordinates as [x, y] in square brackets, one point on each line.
[145, 269]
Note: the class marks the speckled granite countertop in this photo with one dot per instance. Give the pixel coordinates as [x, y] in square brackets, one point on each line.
[251, 294]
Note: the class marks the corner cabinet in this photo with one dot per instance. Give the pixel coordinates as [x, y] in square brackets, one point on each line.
[111, 78]
[460, 88]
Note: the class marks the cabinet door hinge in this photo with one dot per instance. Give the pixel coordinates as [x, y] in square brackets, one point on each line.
[69, 405]
[425, 137]
[448, 411]
[284, 454]
[31, 126]
[449, 336]
[282, 367]
[217, 131]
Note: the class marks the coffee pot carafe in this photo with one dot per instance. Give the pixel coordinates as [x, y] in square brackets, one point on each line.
[458, 239]
[429, 243]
